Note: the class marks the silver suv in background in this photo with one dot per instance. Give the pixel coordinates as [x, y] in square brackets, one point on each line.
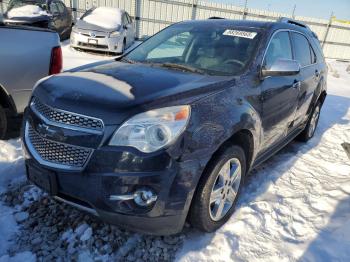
[104, 29]
[17, 73]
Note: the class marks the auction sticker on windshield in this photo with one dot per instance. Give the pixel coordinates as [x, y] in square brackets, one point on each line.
[238, 33]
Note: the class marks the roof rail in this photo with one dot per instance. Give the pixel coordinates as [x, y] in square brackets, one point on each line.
[216, 17]
[291, 21]
[295, 22]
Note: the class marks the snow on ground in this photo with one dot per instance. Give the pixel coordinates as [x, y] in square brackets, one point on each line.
[73, 58]
[296, 206]
[11, 163]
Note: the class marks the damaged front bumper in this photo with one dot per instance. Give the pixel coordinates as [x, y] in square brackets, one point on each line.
[107, 185]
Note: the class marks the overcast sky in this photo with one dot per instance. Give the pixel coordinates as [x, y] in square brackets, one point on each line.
[312, 8]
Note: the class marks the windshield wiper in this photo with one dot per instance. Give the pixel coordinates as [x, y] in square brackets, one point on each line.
[182, 67]
[124, 59]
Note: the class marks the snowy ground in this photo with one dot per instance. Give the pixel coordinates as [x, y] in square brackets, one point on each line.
[294, 207]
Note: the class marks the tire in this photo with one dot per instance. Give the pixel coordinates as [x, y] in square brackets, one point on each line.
[311, 125]
[3, 123]
[206, 205]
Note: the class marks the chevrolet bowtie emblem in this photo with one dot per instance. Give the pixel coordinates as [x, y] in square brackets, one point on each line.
[46, 131]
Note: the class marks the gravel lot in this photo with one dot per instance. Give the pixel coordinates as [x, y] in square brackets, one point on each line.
[55, 231]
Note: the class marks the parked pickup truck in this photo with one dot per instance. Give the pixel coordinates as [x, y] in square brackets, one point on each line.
[27, 54]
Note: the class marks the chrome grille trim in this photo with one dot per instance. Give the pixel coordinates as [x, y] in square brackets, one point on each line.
[55, 154]
[67, 119]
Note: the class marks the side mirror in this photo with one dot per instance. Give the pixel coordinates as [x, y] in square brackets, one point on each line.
[125, 26]
[282, 67]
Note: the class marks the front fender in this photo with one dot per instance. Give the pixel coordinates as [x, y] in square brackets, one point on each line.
[215, 119]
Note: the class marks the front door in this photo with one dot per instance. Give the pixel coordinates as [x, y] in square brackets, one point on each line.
[279, 93]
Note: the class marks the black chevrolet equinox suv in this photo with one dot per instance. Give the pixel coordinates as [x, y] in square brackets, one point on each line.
[168, 132]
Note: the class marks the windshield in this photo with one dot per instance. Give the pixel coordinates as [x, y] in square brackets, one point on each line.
[20, 3]
[213, 49]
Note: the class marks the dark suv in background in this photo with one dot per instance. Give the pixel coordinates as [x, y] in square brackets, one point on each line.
[51, 14]
[169, 131]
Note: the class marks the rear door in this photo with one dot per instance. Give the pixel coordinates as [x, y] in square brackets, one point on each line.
[309, 75]
[279, 93]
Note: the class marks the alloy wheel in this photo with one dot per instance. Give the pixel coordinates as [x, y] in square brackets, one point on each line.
[225, 189]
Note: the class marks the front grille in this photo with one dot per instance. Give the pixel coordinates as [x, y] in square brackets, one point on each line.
[67, 118]
[56, 153]
[97, 36]
[93, 45]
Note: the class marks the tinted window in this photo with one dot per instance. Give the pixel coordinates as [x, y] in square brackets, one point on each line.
[313, 56]
[301, 49]
[54, 9]
[60, 7]
[279, 48]
[124, 20]
[128, 18]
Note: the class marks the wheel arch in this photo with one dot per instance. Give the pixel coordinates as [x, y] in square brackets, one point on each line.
[320, 94]
[6, 100]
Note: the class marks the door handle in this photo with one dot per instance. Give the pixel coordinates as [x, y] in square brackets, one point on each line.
[296, 84]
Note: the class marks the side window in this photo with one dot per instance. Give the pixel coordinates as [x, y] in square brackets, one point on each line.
[124, 19]
[54, 9]
[177, 44]
[279, 48]
[128, 18]
[60, 7]
[301, 49]
[313, 56]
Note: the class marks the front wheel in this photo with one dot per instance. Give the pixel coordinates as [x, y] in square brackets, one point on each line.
[218, 190]
[311, 125]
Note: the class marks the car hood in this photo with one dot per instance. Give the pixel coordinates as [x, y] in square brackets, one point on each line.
[114, 90]
[81, 24]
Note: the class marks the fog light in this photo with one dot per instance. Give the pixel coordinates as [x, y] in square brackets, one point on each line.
[145, 197]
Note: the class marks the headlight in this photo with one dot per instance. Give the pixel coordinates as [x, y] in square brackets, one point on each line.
[154, 129]
[114, 34]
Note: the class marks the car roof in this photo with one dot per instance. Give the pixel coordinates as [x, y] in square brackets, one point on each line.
[253, 24]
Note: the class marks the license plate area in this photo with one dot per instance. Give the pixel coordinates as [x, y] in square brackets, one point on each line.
[92, 41]
[44, 179]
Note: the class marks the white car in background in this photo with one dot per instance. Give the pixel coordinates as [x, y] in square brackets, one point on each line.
[103, 29]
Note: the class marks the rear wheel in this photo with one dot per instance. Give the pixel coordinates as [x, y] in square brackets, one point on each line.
[311, 125]
[218, 190]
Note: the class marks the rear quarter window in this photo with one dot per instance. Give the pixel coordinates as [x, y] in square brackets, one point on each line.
[302, 50]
